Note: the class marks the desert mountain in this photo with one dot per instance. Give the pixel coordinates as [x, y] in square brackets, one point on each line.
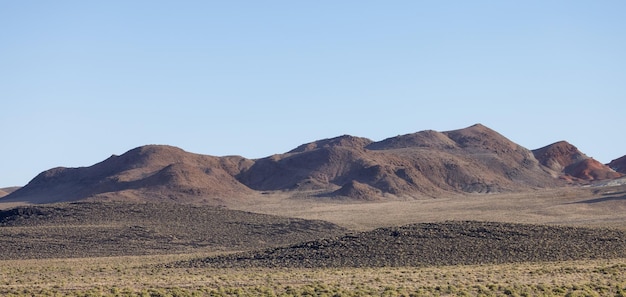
[618, 164]
[155, 171]
[475, 159]
[567, 162]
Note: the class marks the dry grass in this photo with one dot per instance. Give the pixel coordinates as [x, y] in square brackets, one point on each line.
[573, 206]
[139, 276]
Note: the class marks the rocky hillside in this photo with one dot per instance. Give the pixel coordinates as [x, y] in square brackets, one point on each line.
[449, 243]
[101, 229]
[565, 161]
[475, 159]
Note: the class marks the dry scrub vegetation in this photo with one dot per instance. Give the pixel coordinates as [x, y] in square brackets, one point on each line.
[144, 276]
[125, 249]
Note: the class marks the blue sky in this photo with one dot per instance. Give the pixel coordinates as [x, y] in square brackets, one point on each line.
[81, 80]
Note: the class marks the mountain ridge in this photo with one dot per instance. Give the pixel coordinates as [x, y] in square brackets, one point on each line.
[475, 159]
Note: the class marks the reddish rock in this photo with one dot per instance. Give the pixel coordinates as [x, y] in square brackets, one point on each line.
[568, 163]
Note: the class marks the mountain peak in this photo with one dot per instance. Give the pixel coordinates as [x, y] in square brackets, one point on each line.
[348, 141]
[483, 138]
[425, 139]
[557, 156]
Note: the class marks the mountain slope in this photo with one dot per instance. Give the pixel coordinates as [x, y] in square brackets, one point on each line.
[565, 161]
[474, 159]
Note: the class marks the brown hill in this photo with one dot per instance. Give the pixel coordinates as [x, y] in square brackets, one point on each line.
[618, 165]
[474, 159]
[565, 161]
[152, 172]
[357, 190]
[317, 165]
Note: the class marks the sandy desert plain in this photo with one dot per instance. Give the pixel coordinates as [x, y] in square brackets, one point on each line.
[168, 272]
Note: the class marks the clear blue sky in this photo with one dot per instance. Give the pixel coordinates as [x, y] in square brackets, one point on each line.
[81, 80]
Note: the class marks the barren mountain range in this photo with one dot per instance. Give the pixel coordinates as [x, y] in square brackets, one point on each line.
[475, 159]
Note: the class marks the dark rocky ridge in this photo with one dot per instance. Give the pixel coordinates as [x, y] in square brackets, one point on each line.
[619, 164]
[81, 229]
[449, 243]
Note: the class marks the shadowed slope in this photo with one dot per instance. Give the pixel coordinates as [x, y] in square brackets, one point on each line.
[618, 164]
[567, 162]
